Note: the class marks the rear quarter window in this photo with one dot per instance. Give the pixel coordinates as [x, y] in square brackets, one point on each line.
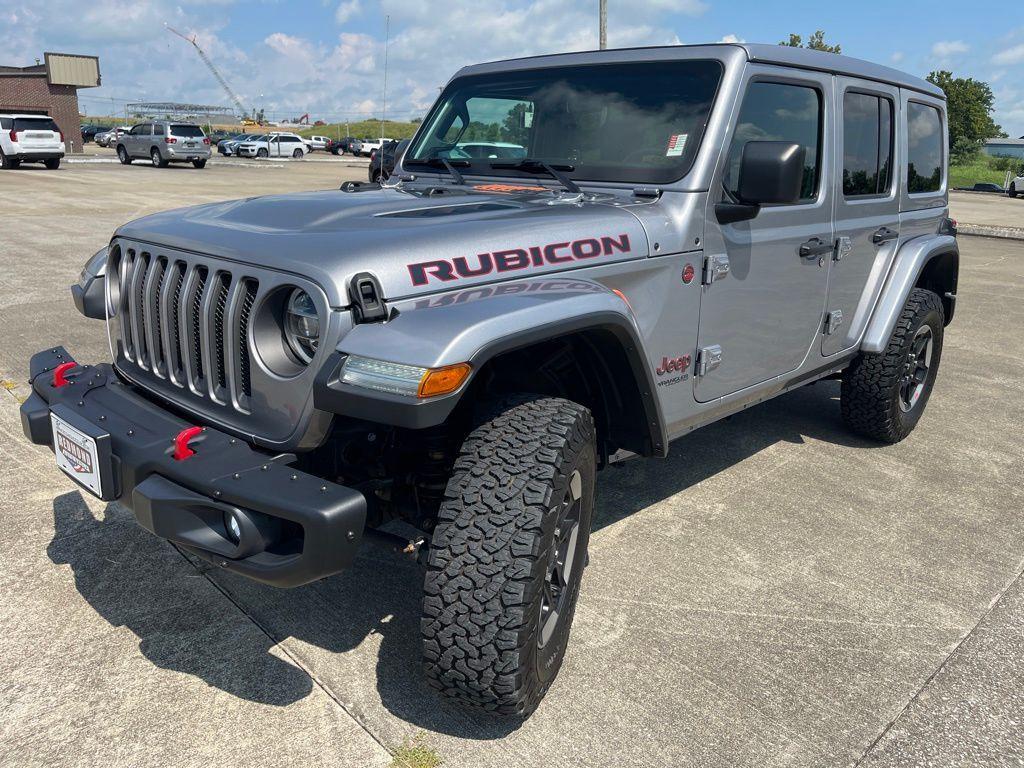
[6, 123]
[924, 148]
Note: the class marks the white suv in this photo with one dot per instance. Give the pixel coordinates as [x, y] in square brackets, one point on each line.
[30, 139]
[273, 145]
[1016, 186]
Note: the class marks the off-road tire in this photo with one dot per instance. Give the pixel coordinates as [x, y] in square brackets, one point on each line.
[52, 164]
[123, 156]
[870, 394]
[199, 163]
[493, 550]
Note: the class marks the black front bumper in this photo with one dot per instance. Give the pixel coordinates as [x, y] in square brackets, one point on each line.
[296, 527]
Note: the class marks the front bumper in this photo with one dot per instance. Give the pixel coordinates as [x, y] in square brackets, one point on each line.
[296, 527]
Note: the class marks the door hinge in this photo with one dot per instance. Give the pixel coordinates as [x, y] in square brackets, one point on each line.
[833, 320]
[708, 358]
[715, 268]
[844, 246]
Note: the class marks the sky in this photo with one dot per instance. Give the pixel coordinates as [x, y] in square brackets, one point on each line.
[326, 57]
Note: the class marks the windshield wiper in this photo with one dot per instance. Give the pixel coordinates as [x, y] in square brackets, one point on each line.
[554, 171]
[442, 162]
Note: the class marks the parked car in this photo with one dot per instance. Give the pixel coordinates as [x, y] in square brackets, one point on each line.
[30, 139]
[318, 142]
[384, 160]
[89, 131]
[216, 137]
[366, 146]
[340, 146]
[109, 137]
[982, 186]
[696, 230]
[163, 143]
[273, 145]
[227, 146]
[1016, 186]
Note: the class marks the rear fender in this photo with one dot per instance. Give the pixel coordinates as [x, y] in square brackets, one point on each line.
[475, 326]
[914, 261]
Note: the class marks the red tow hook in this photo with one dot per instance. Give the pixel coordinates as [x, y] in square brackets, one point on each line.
[181, 449]
[59, 379]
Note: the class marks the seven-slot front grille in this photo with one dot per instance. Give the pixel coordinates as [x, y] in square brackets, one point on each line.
[186, 323]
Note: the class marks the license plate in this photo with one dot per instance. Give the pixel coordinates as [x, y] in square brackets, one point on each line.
[190, 143]
[77, 454]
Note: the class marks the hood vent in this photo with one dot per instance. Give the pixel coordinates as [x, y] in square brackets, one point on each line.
[449, 210]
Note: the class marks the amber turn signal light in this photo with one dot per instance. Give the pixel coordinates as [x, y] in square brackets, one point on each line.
[441, 381]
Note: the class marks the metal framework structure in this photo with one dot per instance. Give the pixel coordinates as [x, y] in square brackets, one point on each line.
[177, 111]
[242, 112]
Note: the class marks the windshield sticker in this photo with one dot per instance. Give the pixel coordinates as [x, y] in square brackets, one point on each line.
[508, 188]
[676, 144]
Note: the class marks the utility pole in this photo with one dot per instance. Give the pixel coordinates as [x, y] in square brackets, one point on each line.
[603, 25]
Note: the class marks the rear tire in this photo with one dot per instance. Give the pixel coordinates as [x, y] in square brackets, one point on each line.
[123, 156]
[8, 163]
[199, 163]
[507, 555]
[883, 395]
[157, 159]
[52, 164]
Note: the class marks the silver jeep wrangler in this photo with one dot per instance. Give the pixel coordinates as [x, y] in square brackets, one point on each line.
[666, 237]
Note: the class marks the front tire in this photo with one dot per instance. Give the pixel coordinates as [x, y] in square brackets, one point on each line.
[122, 155]
[297, 154]
[262, 153]
[883, 395]
[507, 555]
[1012, 192]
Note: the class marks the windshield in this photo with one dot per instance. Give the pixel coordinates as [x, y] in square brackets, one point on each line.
[638, 123]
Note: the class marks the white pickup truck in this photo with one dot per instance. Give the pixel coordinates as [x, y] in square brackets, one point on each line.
[366, 146]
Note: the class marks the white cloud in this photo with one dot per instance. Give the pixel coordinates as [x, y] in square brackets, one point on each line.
[1014, 55]
[897, 57]
[732, 39]
[346, 10]
[944, 49]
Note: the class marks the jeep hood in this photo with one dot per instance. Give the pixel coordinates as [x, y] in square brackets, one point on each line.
[413, 241]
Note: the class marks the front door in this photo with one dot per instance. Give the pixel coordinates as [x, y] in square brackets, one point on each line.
[762, 317]
[867, 208]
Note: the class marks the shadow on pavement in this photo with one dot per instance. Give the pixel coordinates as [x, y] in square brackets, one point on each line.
[380, 595]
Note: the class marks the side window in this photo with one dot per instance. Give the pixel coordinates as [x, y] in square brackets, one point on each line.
[139, 130]
[867, 144]
[158, 130]
[779, 112]
[924, 148]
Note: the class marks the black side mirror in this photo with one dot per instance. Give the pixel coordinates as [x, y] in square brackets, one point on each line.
[771, 173]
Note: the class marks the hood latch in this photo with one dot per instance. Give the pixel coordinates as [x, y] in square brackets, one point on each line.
[367, 298]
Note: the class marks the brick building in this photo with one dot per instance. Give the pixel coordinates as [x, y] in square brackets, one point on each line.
[51, 88]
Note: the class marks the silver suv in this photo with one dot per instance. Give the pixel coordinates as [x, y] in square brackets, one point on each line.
[681, 233]
[164, 142]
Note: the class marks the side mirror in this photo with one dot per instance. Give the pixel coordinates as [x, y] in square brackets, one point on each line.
[771, 173]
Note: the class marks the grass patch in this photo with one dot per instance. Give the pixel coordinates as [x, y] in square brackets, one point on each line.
[975, 173]
[416, 754]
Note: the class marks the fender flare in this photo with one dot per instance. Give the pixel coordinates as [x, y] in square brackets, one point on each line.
[911, 260]
[475, 326]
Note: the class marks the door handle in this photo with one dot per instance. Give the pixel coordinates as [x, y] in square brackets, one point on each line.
[815, 247]
[884, 235]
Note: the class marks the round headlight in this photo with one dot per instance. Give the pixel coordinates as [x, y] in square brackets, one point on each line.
[301, 325]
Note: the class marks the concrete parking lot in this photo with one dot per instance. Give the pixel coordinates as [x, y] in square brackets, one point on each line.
[776, 592]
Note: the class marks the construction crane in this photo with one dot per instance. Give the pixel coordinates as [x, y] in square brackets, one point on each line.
[220, 78]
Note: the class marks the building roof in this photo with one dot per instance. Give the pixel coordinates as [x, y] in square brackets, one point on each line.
[1005, 142]
[802, 58]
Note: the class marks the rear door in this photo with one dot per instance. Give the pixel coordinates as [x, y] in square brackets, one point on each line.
[761, 314]
[866, 205]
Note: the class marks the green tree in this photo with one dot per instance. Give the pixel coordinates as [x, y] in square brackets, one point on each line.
[815, 42]
[969, 107]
